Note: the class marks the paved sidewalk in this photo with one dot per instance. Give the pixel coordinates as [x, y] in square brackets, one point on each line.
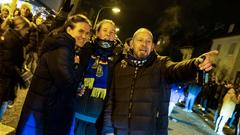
[188, 124]
[11, 117]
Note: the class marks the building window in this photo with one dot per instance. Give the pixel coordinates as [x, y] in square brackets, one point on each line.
[232, 48]
[219, 47]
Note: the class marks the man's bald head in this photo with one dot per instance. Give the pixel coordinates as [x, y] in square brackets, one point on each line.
[142, 43]
[141, 30]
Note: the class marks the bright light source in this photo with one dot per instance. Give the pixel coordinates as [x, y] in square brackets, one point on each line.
[5, 1]
[116, 10]
[117, 29]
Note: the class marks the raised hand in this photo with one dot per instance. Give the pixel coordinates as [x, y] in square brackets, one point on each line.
[205, 61]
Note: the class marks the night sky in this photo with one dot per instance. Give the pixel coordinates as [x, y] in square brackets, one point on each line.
[194, 13]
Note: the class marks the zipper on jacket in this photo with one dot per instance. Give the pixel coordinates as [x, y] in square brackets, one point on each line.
[131, 98]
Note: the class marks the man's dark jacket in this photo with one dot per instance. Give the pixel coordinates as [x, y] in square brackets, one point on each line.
[48, 108]
[139, 95]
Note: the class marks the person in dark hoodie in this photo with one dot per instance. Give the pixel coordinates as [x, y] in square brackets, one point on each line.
[11, 58]
[48, 108]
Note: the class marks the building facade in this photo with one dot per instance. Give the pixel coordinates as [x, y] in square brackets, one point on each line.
[228, 61]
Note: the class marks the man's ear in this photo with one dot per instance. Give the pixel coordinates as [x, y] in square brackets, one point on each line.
[131, 44]
[68, 30]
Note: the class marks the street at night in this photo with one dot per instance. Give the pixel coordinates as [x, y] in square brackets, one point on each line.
[119, 67]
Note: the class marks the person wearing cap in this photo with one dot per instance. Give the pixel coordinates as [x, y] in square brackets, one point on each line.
[26, 10]
[4, 15]
[139, 93]
[5, 12]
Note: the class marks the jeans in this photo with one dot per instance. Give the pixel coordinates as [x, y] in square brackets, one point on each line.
[221, 121]
[3, 108]
[170, 108]
[232, 119]
[190, 102]
[204, 103]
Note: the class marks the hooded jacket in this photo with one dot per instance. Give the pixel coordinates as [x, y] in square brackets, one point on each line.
[48, 108]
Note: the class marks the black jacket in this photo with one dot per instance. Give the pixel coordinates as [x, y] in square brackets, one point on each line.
[11, 56]
[139, 95]
[49, 101]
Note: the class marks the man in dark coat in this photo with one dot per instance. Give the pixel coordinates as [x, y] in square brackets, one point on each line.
[48, 108]
[11, 58]
[139, 95]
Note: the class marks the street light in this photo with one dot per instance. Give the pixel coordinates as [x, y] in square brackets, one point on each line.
[114, 9]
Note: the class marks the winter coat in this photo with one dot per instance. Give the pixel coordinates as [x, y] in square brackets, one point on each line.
[48, 108]
[11, 56]
[139, 95]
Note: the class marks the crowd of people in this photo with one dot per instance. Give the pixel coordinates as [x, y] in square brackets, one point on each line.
[88, 83]
[221, 98]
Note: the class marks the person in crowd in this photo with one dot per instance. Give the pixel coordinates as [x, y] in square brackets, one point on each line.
[5, 13]
[212, 84]
[26, 10]
[16, 12]
[177, 95]
[93, 89]
[48, 108]
[237, 120]
[229, 102]
[11, 58]
[221, 92]
[139, 93]
[204, 99]
[42, 30]
[193, 91]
